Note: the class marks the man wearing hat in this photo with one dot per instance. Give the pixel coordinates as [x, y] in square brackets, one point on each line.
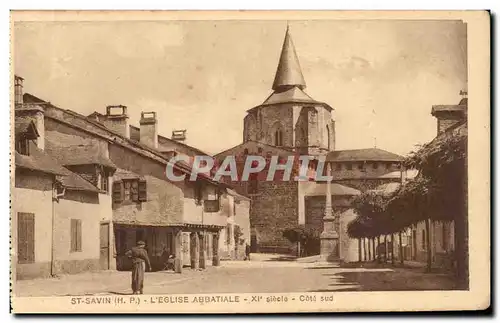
[140, 259]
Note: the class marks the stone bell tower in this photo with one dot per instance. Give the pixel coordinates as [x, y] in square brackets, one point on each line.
[289, 117]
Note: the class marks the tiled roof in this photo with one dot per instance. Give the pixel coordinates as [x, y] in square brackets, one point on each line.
[80, 155]
[368, 154]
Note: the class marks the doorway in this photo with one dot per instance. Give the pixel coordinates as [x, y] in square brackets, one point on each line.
[104, 246]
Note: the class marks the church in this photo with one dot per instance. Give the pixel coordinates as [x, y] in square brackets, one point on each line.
[290, 123]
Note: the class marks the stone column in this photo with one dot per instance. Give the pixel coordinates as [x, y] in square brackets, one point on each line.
[329, 238]
[215, 249]
[203, 250]
[178, 250]
[195, 250]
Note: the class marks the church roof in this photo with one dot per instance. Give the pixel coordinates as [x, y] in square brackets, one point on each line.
[292, 95]
[367, 154]
[319, 189]
[288, 72]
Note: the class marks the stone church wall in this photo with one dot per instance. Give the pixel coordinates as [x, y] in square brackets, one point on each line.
[274, 209]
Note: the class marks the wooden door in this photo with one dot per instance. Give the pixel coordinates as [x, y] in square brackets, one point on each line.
[104, 246]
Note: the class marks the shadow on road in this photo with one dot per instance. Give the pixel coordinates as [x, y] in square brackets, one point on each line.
[394, 280]
[282, 258]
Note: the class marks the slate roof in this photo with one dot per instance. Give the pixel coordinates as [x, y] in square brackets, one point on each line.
[236, 194]
[88, 125]
[25, 127]
[410, 173]
[40, 161]
[368, 154]
[461, 106]
[80, 155]
[288, 72]
[319, 189]
[75, 182]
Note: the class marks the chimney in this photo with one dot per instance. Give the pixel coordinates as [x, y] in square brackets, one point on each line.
[18, 90]
[117, 119]
[449, 115]
[32, 111]
[179, 135]
[149, 129]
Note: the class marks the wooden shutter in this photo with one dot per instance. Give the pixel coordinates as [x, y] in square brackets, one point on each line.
[76, 235]
[117, 192]
[26, 237]
[143, 193]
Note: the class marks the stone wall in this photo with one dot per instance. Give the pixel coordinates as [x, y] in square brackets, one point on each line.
[302, 126]
[274, 209]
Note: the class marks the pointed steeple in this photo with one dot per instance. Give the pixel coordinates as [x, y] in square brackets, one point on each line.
[288, 73]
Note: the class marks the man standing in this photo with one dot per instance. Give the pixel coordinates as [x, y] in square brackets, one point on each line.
[247, 252]
[140, 259]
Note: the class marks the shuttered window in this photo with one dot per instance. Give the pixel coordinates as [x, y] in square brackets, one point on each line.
[76, 235]
[26, 237]
[130, 190]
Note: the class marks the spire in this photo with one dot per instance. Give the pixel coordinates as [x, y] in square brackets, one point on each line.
[288, 73]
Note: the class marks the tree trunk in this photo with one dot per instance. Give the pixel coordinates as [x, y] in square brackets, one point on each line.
[401, 250]
[298, 249]
[386, 251]
[378, 249]
[365, 252]
[369, 249]
[359, 250]
[392, 249]
[373, 247]
[428, 243]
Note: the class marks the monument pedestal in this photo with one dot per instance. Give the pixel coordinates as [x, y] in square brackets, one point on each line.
[329, 241]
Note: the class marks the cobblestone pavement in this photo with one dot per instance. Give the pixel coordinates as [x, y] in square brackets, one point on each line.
[260, 275]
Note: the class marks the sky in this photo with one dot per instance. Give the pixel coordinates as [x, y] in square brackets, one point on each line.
[380, 76]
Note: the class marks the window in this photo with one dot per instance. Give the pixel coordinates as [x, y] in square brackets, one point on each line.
[338, 166]
[134, 191]
[126, 190]
[375, 165]
[130, 190]
[198, 193]
[388, 166]
[361, 166]
[25, 238]
[278, 138]
[23, 146]
[76, 235]
[349, 166]
[104, 182]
